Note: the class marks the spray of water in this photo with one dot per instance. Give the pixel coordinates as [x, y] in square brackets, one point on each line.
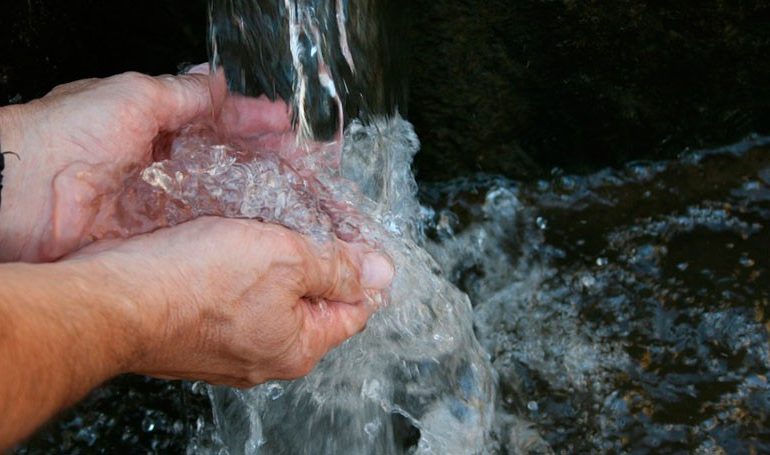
[416, 381]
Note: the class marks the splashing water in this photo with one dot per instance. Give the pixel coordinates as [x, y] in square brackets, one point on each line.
[417, 372]
[415, 376]
[625, 311]
[416, 380]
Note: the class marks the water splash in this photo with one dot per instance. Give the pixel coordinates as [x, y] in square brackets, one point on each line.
[624, 311]
[416, 366]
[416, 380]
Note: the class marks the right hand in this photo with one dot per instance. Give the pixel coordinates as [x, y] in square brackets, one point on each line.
[239, 302]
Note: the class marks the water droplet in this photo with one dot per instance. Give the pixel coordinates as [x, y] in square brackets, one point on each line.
[587, 281]
[602, 261]
[541, 223]
[752, 186]
[148, 424]
[746, 261]
[372, 428]
[533, 406]
[198, 387]
[274, 391]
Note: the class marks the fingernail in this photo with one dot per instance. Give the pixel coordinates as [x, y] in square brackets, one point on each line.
[202, 68]
[376, 271]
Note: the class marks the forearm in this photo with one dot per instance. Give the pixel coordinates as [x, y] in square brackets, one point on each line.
[63, 331]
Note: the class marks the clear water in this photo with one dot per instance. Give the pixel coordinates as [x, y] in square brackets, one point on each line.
[625, 310]
[416, 379]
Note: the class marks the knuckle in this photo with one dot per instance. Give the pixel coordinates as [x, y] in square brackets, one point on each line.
[71, 87]
[138, 81]
[294, 244]
[299, 368]
[253, 378]
[304, 368]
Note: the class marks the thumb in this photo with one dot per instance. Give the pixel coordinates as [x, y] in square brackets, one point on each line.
[242, 115]
[182, 99]
[343, 272]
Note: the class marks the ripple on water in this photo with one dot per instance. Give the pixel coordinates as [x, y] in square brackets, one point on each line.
[638, 319]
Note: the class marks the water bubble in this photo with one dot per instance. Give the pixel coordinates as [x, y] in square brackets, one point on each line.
[148, 424]
[541, 223]
[746, 261]
[372, 429]
[87, 435]
[588, 280]
[568, 183]
[752, 185]
[533, 406]
[274, 390]
[602, 261]
[199, 388]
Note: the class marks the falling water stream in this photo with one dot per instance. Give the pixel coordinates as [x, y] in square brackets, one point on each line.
[416, 379]
[623, 310]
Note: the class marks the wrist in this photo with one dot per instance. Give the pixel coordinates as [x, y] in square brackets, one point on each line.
[66, 331]
[138, 307]
[16, 214]
[118, 306]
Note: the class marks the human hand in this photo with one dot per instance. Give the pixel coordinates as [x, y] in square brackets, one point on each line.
[78, 143]
[238, 302]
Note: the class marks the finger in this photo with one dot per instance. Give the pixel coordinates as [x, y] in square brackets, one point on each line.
[182, 99]
[247, 117]
[71, 87]
[201, 68]
[343, 272]
[331, 323]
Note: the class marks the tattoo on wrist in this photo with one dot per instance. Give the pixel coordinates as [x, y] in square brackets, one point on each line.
[2, 168]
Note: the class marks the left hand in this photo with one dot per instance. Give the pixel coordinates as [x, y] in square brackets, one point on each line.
[78, 143]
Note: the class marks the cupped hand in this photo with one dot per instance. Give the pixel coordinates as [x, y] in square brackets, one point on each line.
[239, 302]
[77, 144]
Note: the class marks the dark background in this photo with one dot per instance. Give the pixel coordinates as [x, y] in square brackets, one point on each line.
[47, 42]
[499, 86]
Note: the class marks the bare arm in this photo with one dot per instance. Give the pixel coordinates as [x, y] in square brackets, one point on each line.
[64, 329]
[229, 302]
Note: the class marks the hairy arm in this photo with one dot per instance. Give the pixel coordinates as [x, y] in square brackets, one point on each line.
[229, 302]
[64, 329]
